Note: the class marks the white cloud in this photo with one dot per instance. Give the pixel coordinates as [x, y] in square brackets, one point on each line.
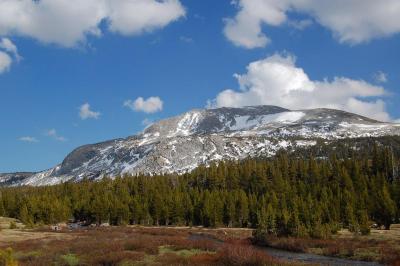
[7, 49]
[53, 134]
[86, 113]
[5, 62]
[380, 77]
[7, 45]
[28, 139]
[276, 80]
[69, 22]
[300, 24]
[199, 17]
[150, 105]
[351, 21]
[147, 122]
[137, 16]
[186, 39]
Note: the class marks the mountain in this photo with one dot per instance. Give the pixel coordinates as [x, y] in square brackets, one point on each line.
[179, 144]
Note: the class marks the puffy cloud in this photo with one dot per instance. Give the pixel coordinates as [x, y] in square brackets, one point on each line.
[53, 134]
[136, 16]
[28, 139]
[69, 22]
[276, 80]
[150, 105]
[245, 29]
[5, 62]
[380, 77]
[86, 113]
[351, 21]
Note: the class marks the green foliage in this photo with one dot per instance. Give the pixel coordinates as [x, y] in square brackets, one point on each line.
[7, 258]
[287, 195]
[70, 259]
[13, 225]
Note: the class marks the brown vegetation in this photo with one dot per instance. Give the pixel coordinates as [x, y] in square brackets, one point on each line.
[134, 245]
[381, 246]
[139, 246]
[239, 254]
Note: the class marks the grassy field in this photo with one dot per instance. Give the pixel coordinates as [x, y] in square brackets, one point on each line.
[10, 236]
[6, 222]
[381, 245]
[135, 245]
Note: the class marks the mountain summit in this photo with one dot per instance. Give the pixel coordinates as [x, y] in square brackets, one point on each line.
[179, 144]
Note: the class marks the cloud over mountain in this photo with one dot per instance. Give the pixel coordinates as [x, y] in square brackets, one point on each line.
[86, 113]
[276, 80]
[52, 133]
[150, 105]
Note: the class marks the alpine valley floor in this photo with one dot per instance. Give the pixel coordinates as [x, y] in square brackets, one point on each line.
[137, 245]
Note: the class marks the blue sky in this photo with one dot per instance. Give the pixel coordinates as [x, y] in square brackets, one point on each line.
[185, 60]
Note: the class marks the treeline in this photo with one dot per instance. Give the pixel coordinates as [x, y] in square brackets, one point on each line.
[285, 195]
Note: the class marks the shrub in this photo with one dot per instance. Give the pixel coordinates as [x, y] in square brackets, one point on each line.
[234, 254]
[70, 259]
[144, 244]
[203, 259]
[365, 230]
[7, 258]
[116, 258]
[13, 225]
[321, 231]
[172, 259]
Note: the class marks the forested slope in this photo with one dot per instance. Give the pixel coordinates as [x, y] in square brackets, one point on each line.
[290, 194]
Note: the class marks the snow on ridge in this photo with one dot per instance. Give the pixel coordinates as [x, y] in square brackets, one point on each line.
[285, 117]
[181, 143]
[187, 124]
[364, 126]
[248, 122]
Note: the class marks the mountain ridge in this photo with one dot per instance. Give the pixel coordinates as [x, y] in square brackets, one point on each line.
[200, 136]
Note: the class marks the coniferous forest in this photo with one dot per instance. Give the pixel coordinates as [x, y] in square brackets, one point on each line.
[286, 195]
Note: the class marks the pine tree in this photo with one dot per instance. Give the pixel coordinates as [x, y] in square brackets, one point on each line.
[387, 209]
[242, 209]
[24, 215]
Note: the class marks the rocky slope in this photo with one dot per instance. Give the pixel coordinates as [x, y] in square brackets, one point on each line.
[181, 143]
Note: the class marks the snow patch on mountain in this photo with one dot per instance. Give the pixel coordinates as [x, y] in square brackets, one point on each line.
[247, 122]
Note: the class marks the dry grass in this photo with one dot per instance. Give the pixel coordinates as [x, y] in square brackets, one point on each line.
[242, 252]
[5, 223]
[132, 245]
[381, 246]
[11, 236]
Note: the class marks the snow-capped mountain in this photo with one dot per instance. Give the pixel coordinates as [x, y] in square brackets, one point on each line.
[181, 143]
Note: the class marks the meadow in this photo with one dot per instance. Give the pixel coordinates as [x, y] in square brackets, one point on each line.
[131, 245]
[138, 245]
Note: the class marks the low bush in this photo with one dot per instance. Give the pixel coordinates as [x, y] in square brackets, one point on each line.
[243, 255]
[143, 244]
[13, 225]
[115, 258]
[70, 259]
[7, 258]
